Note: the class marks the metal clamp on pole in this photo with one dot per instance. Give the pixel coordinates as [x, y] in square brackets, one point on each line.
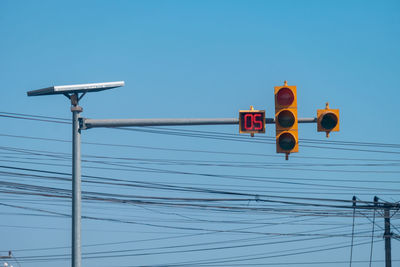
[75, 102]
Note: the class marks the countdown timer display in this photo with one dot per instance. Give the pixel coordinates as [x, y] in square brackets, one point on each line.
[252, 121]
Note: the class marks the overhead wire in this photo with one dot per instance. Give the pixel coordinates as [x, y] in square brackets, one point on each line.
[214, 135]
[159, 186]
[236, 259]
[226, 200]
[196, 151]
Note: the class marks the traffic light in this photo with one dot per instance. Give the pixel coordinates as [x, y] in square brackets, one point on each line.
[286, 122]
[252, 121]
[327, 120]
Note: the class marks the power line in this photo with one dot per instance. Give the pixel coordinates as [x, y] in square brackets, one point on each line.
[217, 135]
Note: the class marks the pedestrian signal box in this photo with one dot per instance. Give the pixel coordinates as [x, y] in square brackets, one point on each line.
[252, 121]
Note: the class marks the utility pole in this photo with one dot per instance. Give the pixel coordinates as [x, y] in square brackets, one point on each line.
[387, 236]
[386, 207]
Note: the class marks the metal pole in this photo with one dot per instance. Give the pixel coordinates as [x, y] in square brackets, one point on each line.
[72, 92]
[76, 182]
[94, 123]
[387, 236]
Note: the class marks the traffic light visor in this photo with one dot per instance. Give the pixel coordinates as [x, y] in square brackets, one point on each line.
[285, 97]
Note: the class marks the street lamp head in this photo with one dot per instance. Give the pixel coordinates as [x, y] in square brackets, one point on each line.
[75, 89]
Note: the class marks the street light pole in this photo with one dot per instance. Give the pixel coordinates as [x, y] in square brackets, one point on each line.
[75, 93]
[76, 182]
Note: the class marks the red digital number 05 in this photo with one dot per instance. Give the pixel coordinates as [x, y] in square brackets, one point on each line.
[253, 121]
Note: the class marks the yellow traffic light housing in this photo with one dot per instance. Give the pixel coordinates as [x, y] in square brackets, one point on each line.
[327, 120]
[286, 122]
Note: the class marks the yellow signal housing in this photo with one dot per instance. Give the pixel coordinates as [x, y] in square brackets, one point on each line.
[327, 120]
[286, 121]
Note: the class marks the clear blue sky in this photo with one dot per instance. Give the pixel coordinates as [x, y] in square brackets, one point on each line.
[151, 194]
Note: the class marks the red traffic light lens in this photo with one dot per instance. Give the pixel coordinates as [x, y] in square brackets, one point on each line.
[329, 121]
[286, 118]
[285, 97]
[286, 141]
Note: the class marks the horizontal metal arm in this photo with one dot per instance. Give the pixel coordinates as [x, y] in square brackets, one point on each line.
[92, 123]
[306, 120]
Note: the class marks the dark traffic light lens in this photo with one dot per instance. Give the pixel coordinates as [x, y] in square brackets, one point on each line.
[286, 118]
[285, 97]
[287, 141]
[329, 121]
